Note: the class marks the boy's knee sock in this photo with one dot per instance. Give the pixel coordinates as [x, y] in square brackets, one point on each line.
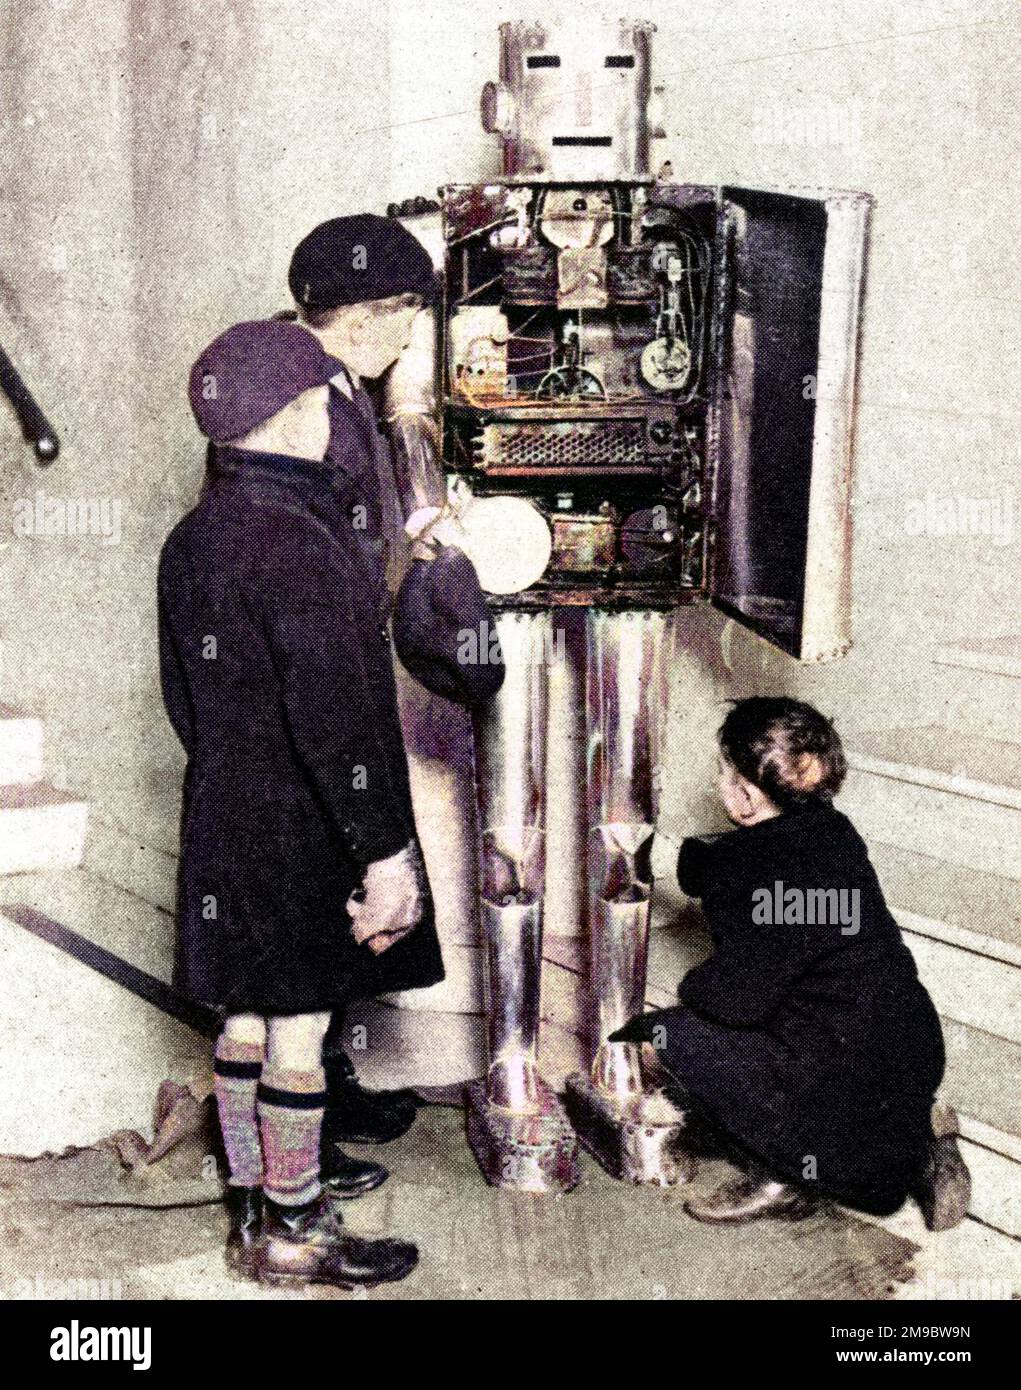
[290, 1105]
[237, 1067]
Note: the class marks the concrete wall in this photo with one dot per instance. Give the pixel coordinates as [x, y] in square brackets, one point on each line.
[159, 162]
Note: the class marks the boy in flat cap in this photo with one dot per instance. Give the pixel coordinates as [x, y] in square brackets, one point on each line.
[358, 283]
[301, 881]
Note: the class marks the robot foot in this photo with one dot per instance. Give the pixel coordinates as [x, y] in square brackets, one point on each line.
[639, 1140]
[536, 1152]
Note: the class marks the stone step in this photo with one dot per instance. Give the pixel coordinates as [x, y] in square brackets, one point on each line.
[996, 1182]
[983, 1083]
[142, 860]
[964, 930]
[979, 685]
[969, 988]
[40, 828]
[979, 912]
[83, 1055]
[998, 656]
[21, 747]
[102, 913]
[953, 796]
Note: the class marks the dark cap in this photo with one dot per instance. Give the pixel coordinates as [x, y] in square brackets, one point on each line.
[351, 259]
[250, 372]
[444, 631]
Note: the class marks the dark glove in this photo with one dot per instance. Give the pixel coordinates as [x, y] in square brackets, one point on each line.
[444, 630]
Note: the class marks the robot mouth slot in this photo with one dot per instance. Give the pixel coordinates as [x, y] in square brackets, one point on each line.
[588, 142]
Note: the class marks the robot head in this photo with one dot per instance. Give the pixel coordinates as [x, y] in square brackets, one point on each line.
[572, 102]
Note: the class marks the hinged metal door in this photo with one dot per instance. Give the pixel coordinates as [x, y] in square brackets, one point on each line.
[782, 415]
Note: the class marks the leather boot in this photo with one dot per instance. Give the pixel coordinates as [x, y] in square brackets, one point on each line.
[245, 1209]
[345, 1176]
[308, 1245]
[751, 1198]
[944, 1185]
[357, 1116]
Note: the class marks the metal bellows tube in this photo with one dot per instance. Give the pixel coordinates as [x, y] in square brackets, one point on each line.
[625, 706]
[510, 772]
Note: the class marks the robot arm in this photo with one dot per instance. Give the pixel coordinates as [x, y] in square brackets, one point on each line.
[410, 390]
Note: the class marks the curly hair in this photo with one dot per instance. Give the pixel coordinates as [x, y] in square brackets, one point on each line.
[785, 748]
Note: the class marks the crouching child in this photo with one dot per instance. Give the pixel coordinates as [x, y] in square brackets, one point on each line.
[806, 1043]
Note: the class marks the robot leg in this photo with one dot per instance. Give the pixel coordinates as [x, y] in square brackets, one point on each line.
[630, 1126]
[516, 1125]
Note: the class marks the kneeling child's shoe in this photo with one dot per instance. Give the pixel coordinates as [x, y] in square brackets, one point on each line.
[752, 1198]
[944, 1184]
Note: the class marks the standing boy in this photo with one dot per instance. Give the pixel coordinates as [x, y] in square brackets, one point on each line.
[358, 283]
[301, 879]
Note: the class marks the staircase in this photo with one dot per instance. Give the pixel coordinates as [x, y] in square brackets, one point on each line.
[941, 809]
[65, 937]
[40, 827]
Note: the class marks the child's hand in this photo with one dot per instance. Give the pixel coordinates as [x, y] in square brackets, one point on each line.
[385, 939]
[391, 901]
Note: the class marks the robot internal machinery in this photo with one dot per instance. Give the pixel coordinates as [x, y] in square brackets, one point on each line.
[637, 394]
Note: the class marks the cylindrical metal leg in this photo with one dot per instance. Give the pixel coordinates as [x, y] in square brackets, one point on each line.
[623, 699]
[510, 771]
[631, 1128]
[515, 1123]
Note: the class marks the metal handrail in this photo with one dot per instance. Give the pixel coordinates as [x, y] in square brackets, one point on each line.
[34, 424]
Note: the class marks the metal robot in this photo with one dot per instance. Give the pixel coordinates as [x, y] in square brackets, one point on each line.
[637, 394]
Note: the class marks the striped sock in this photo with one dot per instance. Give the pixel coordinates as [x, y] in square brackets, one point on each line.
[291, 1105]
[237, 1067]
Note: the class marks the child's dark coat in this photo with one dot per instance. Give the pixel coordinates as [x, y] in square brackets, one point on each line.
[818, 1049]
[297, 775]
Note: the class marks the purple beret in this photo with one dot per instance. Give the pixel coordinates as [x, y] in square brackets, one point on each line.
[250, 372]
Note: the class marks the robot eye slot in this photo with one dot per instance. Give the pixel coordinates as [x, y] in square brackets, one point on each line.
[584, 141]
[542, 60]
[620, 60]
